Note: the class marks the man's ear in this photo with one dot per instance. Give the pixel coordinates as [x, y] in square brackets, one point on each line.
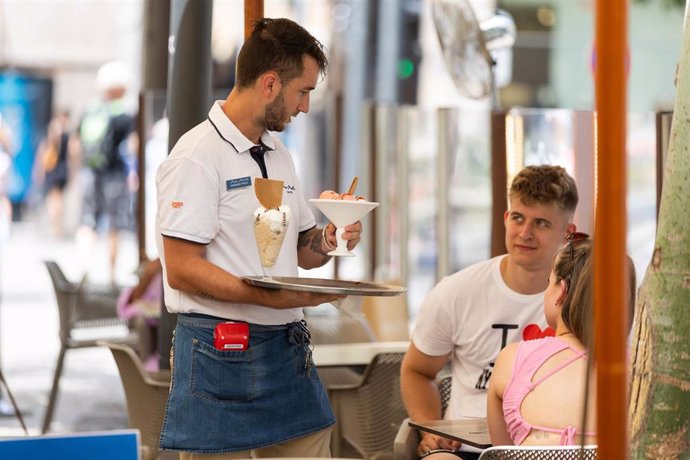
[270, 84]
[570, 228]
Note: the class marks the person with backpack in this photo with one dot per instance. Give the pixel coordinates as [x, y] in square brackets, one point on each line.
[106, 134]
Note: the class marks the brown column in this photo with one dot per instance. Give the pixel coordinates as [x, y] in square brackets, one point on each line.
[499, 182]
[253, 11]
[610, 315]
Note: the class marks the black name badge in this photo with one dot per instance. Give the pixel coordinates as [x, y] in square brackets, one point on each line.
[240, 182]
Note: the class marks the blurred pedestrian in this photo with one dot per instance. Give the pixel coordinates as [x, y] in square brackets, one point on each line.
[106, 142]
[52, 169]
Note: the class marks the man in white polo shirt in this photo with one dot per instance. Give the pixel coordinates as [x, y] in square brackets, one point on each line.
[264, 398]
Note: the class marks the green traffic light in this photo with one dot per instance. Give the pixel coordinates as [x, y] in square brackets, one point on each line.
[405, 68]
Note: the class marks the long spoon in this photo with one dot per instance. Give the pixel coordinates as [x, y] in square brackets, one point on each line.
[353, 186]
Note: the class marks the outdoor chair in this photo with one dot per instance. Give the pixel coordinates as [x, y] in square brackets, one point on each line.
[90, 310]
[335, 329]
[370, 411]
[540, 453]
[146, 395]
[338, 328]
[407, 439]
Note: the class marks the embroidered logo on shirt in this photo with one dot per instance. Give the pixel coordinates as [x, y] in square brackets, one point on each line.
[240, 182]
[289, 189]
[176, 204]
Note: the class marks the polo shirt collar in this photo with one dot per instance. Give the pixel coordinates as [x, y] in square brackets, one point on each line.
[229, 132]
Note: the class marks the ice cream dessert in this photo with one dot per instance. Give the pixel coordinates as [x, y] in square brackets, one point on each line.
[331, 195]
[270, 226]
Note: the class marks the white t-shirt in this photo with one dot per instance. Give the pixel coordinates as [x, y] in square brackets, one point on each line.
[474, 314]
[205, 190]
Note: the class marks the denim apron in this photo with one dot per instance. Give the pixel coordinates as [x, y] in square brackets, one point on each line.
[229, 401]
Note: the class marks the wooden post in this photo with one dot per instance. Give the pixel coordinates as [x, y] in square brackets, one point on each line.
[610, 277]
[253, 11]
[499, 182]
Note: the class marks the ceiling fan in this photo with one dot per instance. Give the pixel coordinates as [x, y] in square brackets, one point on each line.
[469, 47]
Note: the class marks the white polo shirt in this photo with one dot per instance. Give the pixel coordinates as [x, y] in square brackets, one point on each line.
[205, 190]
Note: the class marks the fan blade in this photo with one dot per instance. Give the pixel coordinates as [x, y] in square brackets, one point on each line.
[463, 47]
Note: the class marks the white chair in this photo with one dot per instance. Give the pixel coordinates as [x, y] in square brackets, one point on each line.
[540, 453]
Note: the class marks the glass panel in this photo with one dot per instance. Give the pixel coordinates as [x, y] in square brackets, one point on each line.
[422, 202]
[641, 197]
[470, 190]
[411, 191]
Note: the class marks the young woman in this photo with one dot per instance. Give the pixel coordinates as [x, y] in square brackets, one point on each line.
[537, 394]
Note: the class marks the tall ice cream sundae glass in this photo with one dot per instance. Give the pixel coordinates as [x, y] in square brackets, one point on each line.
[271, 221]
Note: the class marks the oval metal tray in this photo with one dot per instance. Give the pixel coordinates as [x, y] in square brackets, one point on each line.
[325, 286]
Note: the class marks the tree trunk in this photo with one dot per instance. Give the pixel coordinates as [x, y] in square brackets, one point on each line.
[660, 366]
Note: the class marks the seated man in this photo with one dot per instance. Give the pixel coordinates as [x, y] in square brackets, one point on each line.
[471, 315]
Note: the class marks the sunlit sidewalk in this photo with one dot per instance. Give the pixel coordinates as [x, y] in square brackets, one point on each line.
[91, 396]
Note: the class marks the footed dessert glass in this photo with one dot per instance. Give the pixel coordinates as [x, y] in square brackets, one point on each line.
[343, 213]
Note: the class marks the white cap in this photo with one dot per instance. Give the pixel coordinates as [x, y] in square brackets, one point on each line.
[114, 74]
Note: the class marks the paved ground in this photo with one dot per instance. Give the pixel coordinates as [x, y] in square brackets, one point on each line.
[91, 396]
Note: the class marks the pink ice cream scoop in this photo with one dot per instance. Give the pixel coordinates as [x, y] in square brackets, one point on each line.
[329, 195]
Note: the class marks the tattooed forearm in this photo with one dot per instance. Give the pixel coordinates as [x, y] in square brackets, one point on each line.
[205, 295]
[313, 240]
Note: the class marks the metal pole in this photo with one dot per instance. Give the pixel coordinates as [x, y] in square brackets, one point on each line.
[386, 265]
[154, 80]
[189, 97]
[610, 278]
[447, 141]
[403, 189]
[189, 67]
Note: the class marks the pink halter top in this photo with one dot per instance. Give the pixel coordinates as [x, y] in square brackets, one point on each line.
[531, 354]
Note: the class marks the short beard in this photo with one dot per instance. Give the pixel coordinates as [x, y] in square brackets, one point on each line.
[275, 116]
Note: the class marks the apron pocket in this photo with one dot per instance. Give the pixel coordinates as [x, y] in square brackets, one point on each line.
[222, 377]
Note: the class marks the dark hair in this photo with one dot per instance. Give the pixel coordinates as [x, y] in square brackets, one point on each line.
[279, 45]
[545, 184]
[576, 268]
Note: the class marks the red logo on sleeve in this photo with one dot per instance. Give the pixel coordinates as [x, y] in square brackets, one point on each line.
[176, 204]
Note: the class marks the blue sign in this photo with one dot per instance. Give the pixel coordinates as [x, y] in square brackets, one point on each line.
[111, 445]
[24, 112]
